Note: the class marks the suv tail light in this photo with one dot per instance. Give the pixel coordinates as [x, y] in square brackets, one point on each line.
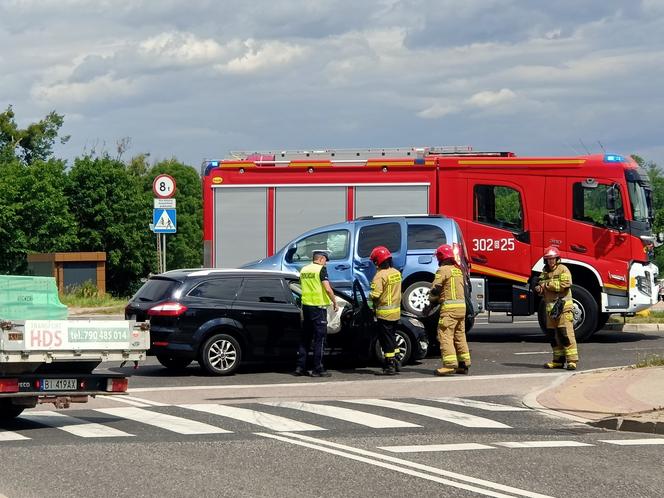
[117, 385]
[167, 309]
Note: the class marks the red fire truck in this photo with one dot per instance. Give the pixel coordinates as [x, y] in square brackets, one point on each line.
[597, 209]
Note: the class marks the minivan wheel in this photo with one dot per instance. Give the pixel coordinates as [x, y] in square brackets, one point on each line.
[404, 345]
[220, 355]
[173, 362]
[416, 297]
[9, 410]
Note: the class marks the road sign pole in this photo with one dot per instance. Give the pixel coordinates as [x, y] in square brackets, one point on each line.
[164, 251]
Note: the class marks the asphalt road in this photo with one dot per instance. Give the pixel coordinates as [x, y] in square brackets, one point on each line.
[265, 433]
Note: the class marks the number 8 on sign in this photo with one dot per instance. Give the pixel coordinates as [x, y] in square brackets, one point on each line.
[163, 186]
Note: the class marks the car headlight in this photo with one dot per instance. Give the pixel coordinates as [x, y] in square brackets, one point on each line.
[416, 323]
[424, 345]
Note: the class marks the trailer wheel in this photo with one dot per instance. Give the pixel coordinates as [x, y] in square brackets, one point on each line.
[416, 297]
[585, 313]
[9, 410]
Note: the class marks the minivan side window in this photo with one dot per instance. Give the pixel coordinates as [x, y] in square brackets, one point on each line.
[217, 288]
[589, 204]
[498, 206]
[259, 290]
[384, 234]
[335, 241]
[425, 237]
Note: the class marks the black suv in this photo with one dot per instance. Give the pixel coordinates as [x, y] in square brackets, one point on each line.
[222, 318]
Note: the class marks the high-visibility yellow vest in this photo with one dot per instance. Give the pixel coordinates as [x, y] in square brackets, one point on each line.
[313, 292]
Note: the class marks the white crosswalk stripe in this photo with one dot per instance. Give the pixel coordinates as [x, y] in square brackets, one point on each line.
[73, 425]
[450, 416]
[480, 405]
[633, 442]
[436, 447]
[163, 421]
[11, 436]
[355, 416]
[541, 444]
[267, 420]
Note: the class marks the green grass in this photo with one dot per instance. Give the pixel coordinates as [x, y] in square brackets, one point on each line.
[650, 360]
[86, 296]
[654, 317]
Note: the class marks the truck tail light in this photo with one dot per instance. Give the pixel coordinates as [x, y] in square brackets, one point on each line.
[167, 309]
[117, 385]
[8, 385]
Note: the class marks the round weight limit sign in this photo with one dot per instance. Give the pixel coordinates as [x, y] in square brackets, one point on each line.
[163, 186]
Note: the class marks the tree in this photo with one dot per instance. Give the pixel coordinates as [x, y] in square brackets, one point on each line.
[33, 143]
[113, 211]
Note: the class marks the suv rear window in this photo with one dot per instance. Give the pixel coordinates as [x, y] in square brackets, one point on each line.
[156, 289]
[425, 237]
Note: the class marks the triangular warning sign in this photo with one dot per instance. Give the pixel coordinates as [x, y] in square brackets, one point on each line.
[165, 222]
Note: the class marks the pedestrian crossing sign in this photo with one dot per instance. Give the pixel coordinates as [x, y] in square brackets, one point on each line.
[164, 221]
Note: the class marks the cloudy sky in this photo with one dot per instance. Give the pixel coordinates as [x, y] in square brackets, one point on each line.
[196, 78]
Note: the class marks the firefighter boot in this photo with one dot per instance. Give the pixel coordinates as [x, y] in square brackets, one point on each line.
[571, 365]
[444, 371]
[397, 363]
[555, 364]
[388, 367]
[462, 368]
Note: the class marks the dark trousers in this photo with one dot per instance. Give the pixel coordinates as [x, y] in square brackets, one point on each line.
[385, 330]
[314, 329]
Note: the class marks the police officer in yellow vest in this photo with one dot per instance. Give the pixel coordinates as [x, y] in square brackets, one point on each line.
[386, 299]
[448, 290]
[317, 295]
[554, 283]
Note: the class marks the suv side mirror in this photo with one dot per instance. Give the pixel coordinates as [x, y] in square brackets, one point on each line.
[611, 197]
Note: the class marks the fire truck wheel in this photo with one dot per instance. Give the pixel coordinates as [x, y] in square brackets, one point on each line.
[601, 320]
[585, 314]
[470, 323]
[220, 355]
[173, 362]
[415, 297]
[8, 410]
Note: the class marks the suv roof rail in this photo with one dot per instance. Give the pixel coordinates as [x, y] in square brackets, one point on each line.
[379, 216]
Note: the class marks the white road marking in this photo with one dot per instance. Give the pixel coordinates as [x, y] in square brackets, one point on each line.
[123, 399]
[163, 421]
[73, 425]
[267, 420]
[480, 405]
[436, 447]
[316, 385]
[11, 436]
[541, 444]
[534, 352]
[453, 417]
[347, 414]
[140, 400]
[374, 458]
[633, 442]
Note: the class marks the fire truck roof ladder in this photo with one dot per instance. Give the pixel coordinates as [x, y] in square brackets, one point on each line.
[347, 155]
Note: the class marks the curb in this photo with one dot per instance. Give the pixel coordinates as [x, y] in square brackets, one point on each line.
[626, 423]
[634, 327]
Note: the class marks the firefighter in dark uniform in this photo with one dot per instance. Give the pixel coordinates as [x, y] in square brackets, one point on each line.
[317, 295]
[386, 299]
[554, 283]
[447, 290]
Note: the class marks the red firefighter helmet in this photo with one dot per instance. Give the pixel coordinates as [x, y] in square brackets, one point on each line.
[379, 255]
[444, 252]
[551, 252]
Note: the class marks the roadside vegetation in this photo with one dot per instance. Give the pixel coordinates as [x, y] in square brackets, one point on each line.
[649, 360]
[87, 296]
[651, 317]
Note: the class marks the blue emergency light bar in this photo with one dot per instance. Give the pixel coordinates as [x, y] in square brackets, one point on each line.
[613, 158]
